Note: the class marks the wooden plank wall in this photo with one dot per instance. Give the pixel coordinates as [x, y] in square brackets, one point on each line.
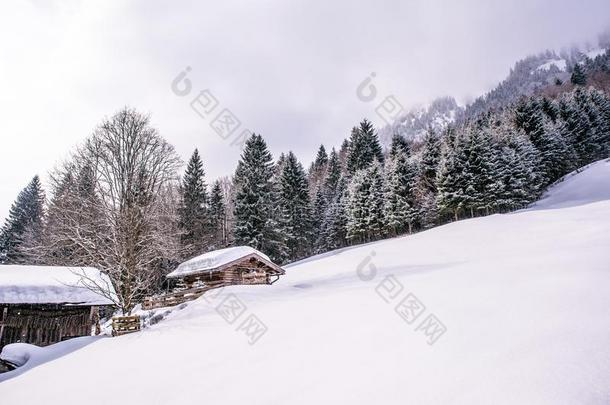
[43, 325]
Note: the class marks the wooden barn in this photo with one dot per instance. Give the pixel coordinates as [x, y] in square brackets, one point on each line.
[219, 268]
[43, 305]
[233, 265]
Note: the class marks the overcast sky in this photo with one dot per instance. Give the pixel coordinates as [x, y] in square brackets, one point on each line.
[286, 69]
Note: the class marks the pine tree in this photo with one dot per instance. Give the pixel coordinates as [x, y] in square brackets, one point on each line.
[430, 159]
[536, 119]
[364, 148]
[571, 125]
[343, 154]
[279, 167]
[452, 177]
[602, 103]
[333, 175]
[400, 209]
[334, 226]
[329, 215]
[294, 204]
[578, 77]
[528, 115]
[365, 216]
[320, 206]
[580, 122]
[218, 217]
[596, 136]
[354, 152]
[357, 209]
[23, 227]
[479, 172]
[193, 217]
[321, 159]
[519, 181]
[399, 145]
[557, 157]
[317, 171]
[371, 139]
[376, 218]
[550, 109]
[256, 199]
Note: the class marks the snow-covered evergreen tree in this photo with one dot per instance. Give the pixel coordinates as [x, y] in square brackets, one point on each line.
[357, 206]
[602, 103]
[481, 172]
[329, 212]
[334, 226]
[256, 201]
[376, 218]
[401, 174]
[580, 122]
[578, 76]
[319, 208]
[192, 212]
[520, 178]
[321, 160]
[218, 217]
[364, 148]
[333, 175]
[594, 123]
[399, 146]
[365, 216]
[452, 177]
[24, 223]
[295, 209]
[539, 121]
[430, 158]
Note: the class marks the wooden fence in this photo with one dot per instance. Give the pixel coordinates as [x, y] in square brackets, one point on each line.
[178, 297]
[122, 325]
[175, 298]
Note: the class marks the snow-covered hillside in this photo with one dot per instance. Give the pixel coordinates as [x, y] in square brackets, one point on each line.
[520, 301]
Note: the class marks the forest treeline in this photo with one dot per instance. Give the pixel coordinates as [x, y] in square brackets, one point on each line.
[119, 203]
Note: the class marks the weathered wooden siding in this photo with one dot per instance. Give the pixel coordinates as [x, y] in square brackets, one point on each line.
[245, 272]
[43, 325]
[248, 270]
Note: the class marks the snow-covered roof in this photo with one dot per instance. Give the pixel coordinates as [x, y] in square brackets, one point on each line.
[213, 260]
[52, 285]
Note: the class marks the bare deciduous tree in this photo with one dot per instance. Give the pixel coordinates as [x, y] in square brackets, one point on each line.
[115, 206]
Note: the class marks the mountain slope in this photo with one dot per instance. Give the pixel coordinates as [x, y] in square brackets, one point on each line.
[529, 75]
[524, 298]
[416, 122]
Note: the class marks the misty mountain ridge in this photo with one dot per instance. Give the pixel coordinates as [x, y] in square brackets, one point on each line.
[528, 76]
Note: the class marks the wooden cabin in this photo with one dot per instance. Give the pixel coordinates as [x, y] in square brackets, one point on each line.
[229, 266]
[43, 305]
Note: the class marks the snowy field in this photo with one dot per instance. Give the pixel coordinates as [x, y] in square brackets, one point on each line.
[521, 306]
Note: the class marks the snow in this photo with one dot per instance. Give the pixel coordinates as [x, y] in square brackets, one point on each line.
[213, 260]
[595, 53]
[579, 187]
[52, 285]
[561, 63]
[558, 63]
[27, 356]
[523, 296]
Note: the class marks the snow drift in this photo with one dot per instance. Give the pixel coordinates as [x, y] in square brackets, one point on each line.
[521, 300]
